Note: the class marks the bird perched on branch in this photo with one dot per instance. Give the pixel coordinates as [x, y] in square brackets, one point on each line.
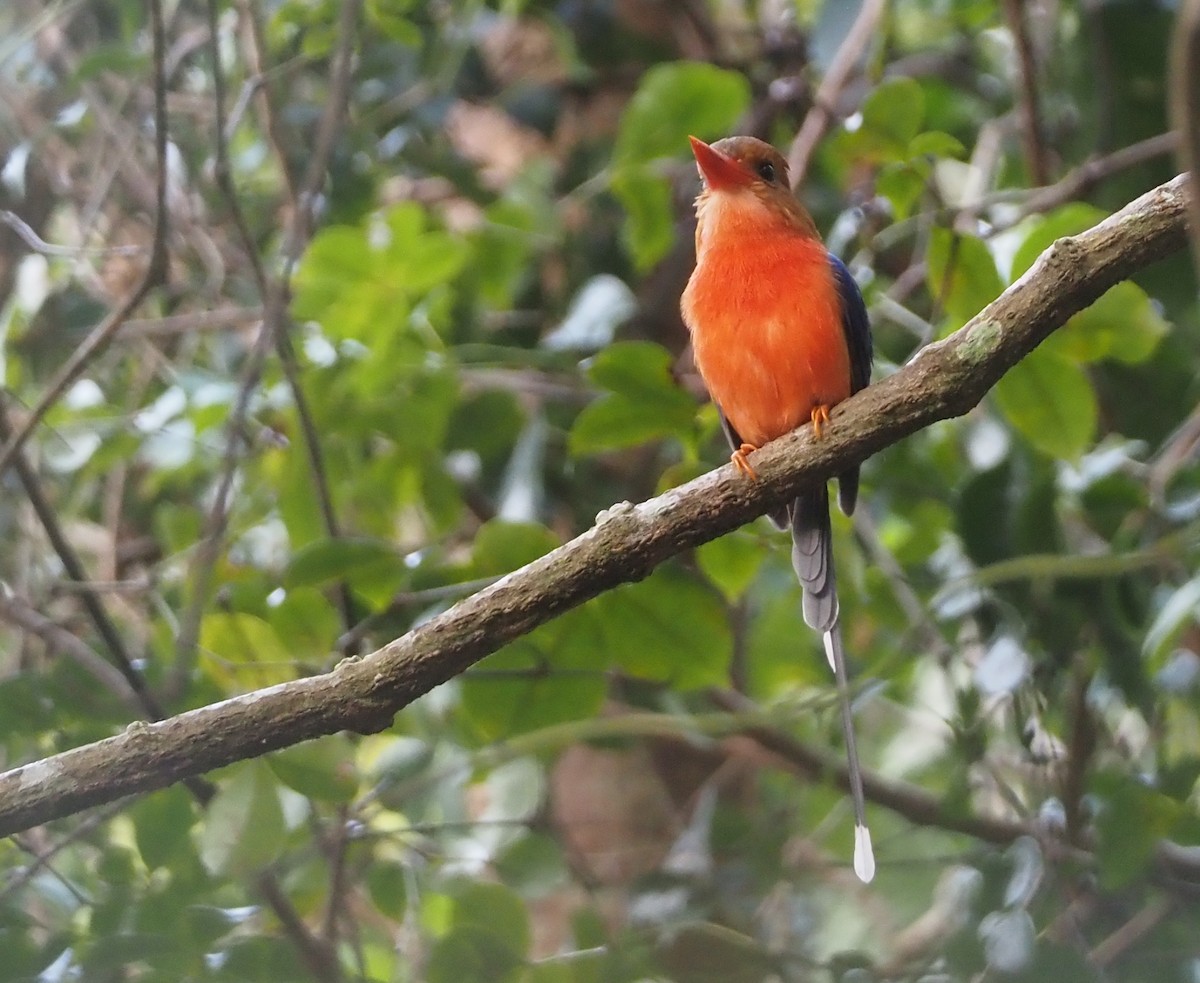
[780, 335]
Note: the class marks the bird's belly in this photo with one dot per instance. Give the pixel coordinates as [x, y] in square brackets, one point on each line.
[769, 355]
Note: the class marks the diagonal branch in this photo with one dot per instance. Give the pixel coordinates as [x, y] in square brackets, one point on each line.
[945, 380]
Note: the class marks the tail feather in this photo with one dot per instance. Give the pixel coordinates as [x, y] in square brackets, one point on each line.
[848, 491]
[812, 557]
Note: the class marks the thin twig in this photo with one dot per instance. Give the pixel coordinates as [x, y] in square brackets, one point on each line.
[906, 800]
[1185, 102]
[79, 831]
[272, 327]
[1119, 942]
[20, 613]
[35, 242]
[1080, 180]
[155, 273]
[319, 958]
[1027, 81]
[186, 324]
[337, 878]
[73, 567]
[407, 599]
[821, 115]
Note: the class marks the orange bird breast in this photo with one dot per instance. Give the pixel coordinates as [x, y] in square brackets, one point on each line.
[766, 321]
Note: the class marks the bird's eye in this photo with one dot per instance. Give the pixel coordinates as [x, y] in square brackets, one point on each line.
[766, 171]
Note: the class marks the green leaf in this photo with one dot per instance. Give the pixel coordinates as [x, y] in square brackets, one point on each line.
[731, 562]
[1069, 220]
[913, 534]
[488, 933]
[338, 255]
[242, 651]
[328, 560]
[892, 115]
[361, 281]
[306, 623]
[515, 791]
[501, 546]
[934, 143]
[1130, 822]
[243, 825]
[902, 185]
[1050, 401]
[1123, 324]
[387, 16]
[645, 402]
[471, 954]
[962, 275]
[321, 769]
[1181, 609]
[675, 100]
[161, 824]
[667, 628]
[895, 108]
[533, 864]
[615, 421]
[556, 676]
[387, 883]
[492, 908]
[649, 221]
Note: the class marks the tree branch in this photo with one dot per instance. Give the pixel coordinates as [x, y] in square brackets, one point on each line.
[944, 380]
[1185, 101]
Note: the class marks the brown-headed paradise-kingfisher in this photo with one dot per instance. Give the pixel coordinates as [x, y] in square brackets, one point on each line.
[780, 335]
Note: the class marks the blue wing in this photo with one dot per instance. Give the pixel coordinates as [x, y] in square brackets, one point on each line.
[857, 329]
[855, 325]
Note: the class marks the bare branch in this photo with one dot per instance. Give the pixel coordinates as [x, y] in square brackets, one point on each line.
[1027, 78]
[819, 118]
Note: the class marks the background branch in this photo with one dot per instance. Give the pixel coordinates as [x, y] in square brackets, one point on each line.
[946, 379]
[1185, 101]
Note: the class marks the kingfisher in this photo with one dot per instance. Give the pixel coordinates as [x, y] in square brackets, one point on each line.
[780, 335]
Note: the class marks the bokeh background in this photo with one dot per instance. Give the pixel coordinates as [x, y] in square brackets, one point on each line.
[421, 325]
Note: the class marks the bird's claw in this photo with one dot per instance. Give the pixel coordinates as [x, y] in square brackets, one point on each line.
[740, 461]
[820, 417]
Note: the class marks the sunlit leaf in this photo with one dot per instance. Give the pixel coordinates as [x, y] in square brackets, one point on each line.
[1182, 608]
[242, 651]
[1008, 939]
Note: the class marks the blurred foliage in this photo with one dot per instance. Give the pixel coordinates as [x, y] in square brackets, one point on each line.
[487, 340]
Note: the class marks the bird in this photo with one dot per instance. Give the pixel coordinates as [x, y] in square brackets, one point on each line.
[780, 335]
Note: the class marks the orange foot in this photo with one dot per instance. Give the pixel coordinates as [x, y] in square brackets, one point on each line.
[820, 417]
[739, 461]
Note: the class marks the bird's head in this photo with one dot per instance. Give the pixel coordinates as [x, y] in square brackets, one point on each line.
[742, 171]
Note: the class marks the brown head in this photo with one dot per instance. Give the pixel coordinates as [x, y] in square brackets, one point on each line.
[747, 164]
